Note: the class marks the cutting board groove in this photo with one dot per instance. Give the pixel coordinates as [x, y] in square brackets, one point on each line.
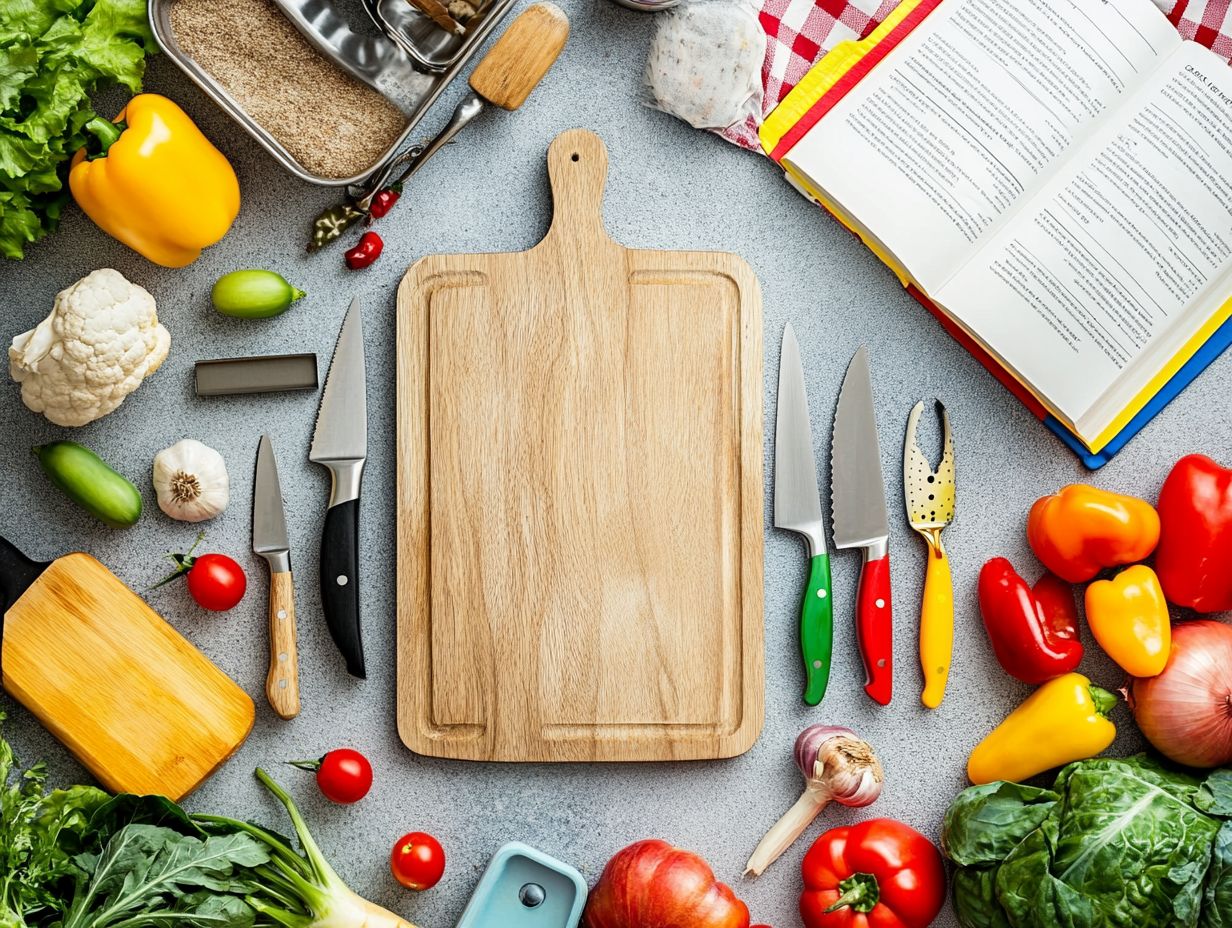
[580, 495]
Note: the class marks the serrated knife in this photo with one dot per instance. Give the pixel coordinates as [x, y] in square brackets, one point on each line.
[860, 521]
[797, 508]
[269, 539]
[340, 443]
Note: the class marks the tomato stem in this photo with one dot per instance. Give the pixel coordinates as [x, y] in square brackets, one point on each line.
[313, 765]
[860, 892]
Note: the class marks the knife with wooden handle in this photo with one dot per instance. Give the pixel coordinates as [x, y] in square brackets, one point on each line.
[860, 521]
[269, 539]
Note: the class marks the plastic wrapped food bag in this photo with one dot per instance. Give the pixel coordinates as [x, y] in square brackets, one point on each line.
[705, 63]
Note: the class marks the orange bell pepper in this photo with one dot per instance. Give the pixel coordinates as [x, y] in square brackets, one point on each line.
[1081, 530]
[1128, 616]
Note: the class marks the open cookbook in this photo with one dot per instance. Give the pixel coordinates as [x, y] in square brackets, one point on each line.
[1052, 178]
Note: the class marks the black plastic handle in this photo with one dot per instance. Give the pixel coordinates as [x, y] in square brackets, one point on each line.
[340, 582]
[17, 573]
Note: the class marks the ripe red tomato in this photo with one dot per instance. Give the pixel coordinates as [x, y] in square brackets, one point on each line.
[417, 861]
[344, 776]
[216, 582]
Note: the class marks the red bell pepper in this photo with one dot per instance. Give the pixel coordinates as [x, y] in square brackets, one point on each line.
[1194, 558]
[1034, 631]
[879, 873]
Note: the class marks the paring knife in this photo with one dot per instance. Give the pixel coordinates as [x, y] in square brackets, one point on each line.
[269, 539]
[340, 443]
[860, 521]
[930, 508]
[797, 508]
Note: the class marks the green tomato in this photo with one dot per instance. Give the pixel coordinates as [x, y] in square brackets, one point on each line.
[253, 294]
[87, 480]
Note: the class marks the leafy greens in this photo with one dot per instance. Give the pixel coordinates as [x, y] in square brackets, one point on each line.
[1116, 843]
[53, 53]
[78, 858]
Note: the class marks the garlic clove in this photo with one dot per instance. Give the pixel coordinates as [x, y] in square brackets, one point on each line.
[191, 481]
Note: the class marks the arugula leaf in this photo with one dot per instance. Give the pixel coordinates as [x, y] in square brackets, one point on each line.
[149, 874]
[37, 835]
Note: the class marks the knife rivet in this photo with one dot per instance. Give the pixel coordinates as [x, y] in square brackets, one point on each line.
[881, 663]
[282, 684]
[880, 604]
[342, 580]
[282, 655]
[821, 594]
[282, 613]
[817, 665]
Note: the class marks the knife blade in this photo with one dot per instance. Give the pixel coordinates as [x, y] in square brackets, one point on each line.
[860, 521]
[797, 508]
[269, 539]
[340, 443]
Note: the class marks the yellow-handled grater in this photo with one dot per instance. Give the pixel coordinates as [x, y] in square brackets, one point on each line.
[930, 508]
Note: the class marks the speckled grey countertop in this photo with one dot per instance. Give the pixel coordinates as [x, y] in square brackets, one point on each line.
[670, 187]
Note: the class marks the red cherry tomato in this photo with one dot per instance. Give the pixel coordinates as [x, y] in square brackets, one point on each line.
[216, 582]
[344, 776]
[417, 861]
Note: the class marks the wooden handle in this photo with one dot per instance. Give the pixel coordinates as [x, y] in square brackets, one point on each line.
[577, 168]
[936, 626]
[282, 682]
[519, 59]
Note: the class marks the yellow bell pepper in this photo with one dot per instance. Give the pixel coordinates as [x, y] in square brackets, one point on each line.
[157, 184]
[1129, 617]
[1062, 721]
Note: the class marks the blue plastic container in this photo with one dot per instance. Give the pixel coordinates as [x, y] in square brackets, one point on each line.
[525, 888]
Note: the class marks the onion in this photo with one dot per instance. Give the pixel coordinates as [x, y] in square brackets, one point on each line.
[1186, 711]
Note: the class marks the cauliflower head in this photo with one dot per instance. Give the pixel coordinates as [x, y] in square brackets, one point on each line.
[102, 339]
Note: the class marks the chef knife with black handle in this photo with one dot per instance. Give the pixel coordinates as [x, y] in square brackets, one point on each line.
[340, 443]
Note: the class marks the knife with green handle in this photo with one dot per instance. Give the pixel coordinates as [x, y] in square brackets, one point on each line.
[797, 508]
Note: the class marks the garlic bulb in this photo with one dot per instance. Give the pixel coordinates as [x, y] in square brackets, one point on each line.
[191, 481]
[837, 766]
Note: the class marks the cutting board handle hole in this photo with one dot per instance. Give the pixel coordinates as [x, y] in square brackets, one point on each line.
[575, 157]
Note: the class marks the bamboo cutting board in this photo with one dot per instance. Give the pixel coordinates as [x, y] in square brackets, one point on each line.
[140, 707]
[580, 495]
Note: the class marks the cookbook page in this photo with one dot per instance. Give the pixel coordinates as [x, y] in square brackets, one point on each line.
[1110, 271]
[968, 116]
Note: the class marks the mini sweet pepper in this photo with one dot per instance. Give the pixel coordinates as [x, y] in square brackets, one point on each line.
[1128, 616]
[1194, 560]
[1064, 720]
[1081, 530]
[1033, 630]
[152, 180]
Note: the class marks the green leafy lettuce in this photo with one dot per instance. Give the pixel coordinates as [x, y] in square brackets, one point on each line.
[53, 53]
[1116, 843]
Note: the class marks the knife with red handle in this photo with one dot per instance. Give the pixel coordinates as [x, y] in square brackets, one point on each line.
[874, 627]
[857, 490]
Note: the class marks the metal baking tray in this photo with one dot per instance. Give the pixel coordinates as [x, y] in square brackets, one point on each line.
[373, 59]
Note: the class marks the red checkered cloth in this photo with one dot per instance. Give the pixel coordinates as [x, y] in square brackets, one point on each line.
[800, 32]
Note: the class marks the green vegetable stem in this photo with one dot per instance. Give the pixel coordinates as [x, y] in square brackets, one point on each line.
[87, 480]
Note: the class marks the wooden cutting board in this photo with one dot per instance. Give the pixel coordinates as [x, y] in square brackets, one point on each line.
[580, 495]
[140, 707]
